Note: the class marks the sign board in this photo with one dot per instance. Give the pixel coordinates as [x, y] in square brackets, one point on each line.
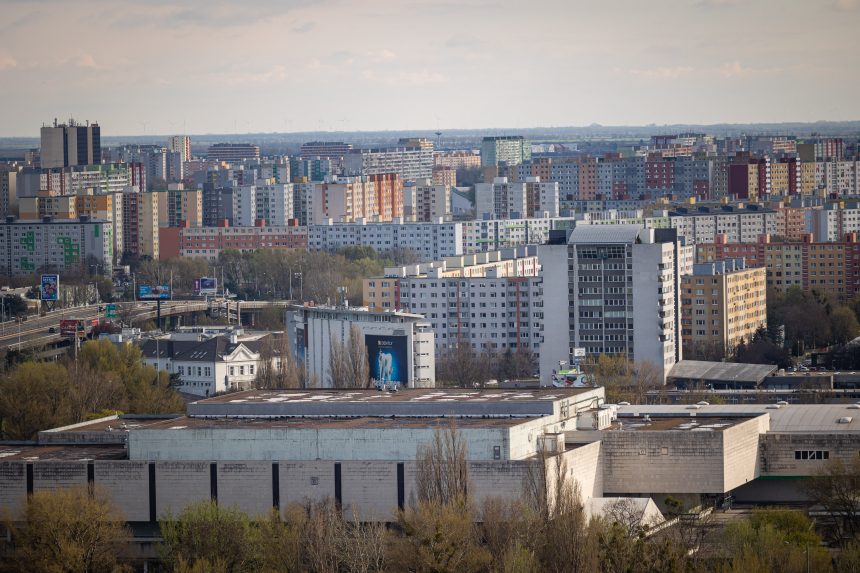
[153, 292]
[579, 352]
[206, 285]
[50, 287]
[388, 359]
[110, 311]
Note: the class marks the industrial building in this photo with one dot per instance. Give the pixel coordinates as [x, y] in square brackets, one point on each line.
[261, 449]
[399, 345]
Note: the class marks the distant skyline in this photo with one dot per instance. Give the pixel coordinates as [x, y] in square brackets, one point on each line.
[219, 66]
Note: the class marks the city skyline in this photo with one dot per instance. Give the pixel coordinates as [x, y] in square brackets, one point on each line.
[218, 67]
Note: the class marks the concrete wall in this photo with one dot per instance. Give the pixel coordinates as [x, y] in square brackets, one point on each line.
[369, 490]
[303, 444]
[179, 484]
[57, 475]
[127, 484]
[246, 485]
[643, 462]
[585, 465]
[301, 482]
[740, 451]
[777, 452]
[13, 488]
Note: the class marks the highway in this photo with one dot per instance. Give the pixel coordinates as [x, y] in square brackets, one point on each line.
[34, 331]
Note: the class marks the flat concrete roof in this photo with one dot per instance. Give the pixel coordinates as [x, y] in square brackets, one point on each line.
[330, 423]
[721, 371]
[61, 453]
[683, 424]
[430, 402]
[793, 418]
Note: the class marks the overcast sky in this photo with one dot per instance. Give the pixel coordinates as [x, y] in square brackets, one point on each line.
[223, 66]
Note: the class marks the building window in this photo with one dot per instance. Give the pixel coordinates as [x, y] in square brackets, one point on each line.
[497, 452]
[811, 454]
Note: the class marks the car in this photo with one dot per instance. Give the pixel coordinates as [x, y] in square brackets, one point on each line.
[52, 330]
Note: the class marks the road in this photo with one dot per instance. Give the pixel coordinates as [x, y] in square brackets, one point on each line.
[34, 331]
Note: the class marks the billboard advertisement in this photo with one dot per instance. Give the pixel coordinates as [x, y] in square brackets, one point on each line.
[50, 287]
[153, 292]
[206, 285]
[388, 359]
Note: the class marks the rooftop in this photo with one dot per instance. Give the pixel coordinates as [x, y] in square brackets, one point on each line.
[604, 234]
[354, 423]
[429, 402]
[794, 418]
[721, 371]
[61, 452]
[682, 424]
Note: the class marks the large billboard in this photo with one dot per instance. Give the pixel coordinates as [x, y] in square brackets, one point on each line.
[206, 285]
[153, 292]
[388, 359]
[50, 287]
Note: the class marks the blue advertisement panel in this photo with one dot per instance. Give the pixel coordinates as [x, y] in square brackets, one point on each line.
[153, 292]
[207, 285]
[50, 287]
[388, 359]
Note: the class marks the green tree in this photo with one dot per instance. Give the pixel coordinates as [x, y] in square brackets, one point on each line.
[67, 531]
[208, 532]
[844, 324]
[34, 397]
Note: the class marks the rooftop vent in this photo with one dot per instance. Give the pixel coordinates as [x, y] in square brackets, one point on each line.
[854, 407]
[844, 420]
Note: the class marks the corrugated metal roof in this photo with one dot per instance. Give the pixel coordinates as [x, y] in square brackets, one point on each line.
[604, 233]
[722, 371]
[794, 418]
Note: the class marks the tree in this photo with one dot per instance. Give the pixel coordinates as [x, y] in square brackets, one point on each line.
[443, 468]
[348, 363]
[278, 367]
[844, 324]
[207, 531]
[837, 488]
[462, 367]
[14, 305]
[33, 397]
[67, 530]
[438, 538]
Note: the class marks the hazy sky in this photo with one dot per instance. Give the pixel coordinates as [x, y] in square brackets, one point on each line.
[223, 66]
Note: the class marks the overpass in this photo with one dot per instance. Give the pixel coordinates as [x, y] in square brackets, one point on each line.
[35, 331]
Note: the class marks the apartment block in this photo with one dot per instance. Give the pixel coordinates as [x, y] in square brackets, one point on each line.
[457, 160]
[722, 304]
[409, 163]
[502, 199]
[426, 201]
[491, 301]
[8, 191]
[233, 152]
[265, 200]
[429, 241]
[31, 247]
[371, 197]
[507, 149]
[140, 223]
[741, 223]
[624, 292]
[830, 268]
[210, 242]
[64, 145]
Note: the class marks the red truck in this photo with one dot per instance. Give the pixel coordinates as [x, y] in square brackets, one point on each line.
[77, 326]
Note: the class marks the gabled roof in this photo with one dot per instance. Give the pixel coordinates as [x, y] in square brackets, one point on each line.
[209, 350]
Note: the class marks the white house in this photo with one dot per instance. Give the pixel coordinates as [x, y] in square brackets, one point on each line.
[207, 366]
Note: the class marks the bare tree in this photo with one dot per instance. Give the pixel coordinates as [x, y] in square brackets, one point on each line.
[837, 488]
[443, 468]
[348, 363]
[463, 367]
[278, 366]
